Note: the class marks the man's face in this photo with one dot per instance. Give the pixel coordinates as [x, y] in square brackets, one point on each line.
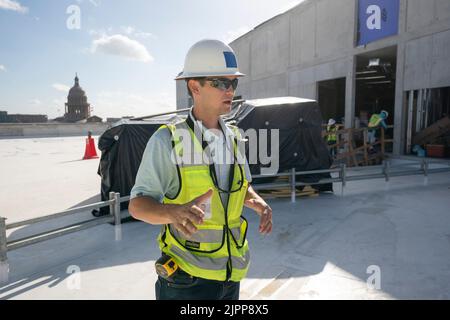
[218, 101]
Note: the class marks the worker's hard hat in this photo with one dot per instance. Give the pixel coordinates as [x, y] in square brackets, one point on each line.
[210, 58]
[384, 114]
[331, 122]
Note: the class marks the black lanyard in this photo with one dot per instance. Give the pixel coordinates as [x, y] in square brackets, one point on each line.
[212, 170]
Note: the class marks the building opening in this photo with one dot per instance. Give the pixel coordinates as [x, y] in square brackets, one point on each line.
[331, 100]
[375, 87]
[428, 122]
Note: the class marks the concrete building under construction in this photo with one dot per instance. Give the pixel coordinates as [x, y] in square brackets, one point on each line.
[355, 57]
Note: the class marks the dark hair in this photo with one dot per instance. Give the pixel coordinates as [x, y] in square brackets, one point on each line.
[200, 80]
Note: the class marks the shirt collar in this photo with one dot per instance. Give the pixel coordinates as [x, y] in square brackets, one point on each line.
[208, 134]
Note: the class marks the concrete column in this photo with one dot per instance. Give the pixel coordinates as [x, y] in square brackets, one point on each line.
[350, 93]
[350, 83]
[400, 114]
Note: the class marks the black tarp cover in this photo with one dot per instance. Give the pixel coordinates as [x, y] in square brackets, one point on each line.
[299, 122]
[301, 144]
[122, 147]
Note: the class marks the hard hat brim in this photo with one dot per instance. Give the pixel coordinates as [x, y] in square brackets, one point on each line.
[212, 74]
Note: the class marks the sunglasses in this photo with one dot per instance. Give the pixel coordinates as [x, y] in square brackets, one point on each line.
[223, 83]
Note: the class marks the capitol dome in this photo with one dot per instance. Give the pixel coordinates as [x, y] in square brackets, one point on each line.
[77, 106]
[76, 93]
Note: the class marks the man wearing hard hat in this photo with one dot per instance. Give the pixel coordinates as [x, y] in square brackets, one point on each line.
[203, 241]
[332, 136]
[376, 121]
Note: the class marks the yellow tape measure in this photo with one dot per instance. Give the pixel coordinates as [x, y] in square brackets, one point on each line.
[165, 266]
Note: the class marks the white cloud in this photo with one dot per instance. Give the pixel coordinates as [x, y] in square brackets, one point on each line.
[2, 67]
[121, 45]
[234, 34]
[13, 5]
[100, 32]
[128, 29]
[35, 102]
[61, 87]
[132, 31]
[145, 35]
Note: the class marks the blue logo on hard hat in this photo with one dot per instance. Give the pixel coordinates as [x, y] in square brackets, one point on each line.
[230, 59]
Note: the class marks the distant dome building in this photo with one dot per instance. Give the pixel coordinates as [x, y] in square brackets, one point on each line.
[77, 107]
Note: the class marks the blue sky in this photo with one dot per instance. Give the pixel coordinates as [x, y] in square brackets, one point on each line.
[126, 53]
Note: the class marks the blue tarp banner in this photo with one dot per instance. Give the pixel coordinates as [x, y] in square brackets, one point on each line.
[378, 19]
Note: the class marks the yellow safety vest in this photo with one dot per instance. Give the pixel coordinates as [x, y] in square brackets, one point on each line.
[219, 249]
[375, 120]
[331, 130]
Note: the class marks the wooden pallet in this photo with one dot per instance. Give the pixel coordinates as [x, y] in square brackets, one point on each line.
[308, 191]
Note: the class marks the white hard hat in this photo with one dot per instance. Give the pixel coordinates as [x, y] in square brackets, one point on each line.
[385, 113]
[210, 58]
[331, 122]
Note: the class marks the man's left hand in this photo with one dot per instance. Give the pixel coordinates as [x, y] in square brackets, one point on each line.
[264, 211]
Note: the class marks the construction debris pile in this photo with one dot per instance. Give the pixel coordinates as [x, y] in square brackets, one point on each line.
[435, 139]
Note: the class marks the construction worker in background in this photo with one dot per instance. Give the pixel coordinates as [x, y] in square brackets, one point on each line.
[376, 121]
[332, 136]
[203, 241]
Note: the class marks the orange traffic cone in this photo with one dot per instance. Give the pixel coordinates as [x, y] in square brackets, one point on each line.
[90, 152]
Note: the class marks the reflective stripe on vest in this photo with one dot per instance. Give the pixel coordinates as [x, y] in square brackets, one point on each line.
[203, 236]
[220, 244]
[207, 236]
[205, 262]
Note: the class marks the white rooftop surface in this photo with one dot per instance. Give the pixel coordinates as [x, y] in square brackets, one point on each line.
[324, 247]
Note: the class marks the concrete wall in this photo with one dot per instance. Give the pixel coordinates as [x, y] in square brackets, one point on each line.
[270, 49]
[422, 14]
[427, 62]
[288, 54]
[427, 44]
[316, 41]
[285, 55]
[182, 94]
[9, 130]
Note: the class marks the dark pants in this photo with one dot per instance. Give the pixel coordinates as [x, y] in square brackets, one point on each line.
[332, 149]
[186, 287]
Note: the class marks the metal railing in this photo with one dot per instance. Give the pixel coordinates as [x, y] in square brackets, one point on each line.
[386, 173]
[113, 217]
[115, 200]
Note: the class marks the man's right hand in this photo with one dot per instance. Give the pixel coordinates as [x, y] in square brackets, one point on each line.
[185, 216]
